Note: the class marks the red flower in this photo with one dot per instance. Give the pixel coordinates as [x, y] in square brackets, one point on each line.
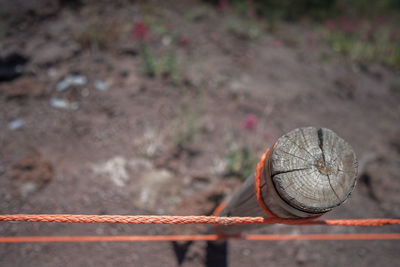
[330, 25]
[183, 42]
[140, 31]
[393, 36]
[249, 122]
[347, 25]
[224, 6]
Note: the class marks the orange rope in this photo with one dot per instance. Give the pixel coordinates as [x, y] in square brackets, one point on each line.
[151, 219]
[257, 187]
[41, 239]
[257, 190]
[216, 220]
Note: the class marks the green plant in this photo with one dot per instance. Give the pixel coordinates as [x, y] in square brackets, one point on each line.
[170, 68]
[149, 62]
[156, 25]
[165, 67]
[199, 13]
[96, 34]
[186, 132]
[364, 42]
[395, 86]
[243, 27]
[240, 161]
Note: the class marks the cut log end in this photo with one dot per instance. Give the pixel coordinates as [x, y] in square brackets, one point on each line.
[313, 170]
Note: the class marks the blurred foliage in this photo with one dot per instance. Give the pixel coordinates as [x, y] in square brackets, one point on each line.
[186, 131]
[199, 13]
[157, 64]
[363, 31]
[161, 67]
[293, 10]
[243, 27]
[187, 127]
[149, 63]
[240, 162]
[156, 25]
[395, 85]
[170, 69]
[364, 42]
[96, 34]
[314, 9]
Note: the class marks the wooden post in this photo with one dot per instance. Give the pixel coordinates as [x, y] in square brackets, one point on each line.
[308, 173]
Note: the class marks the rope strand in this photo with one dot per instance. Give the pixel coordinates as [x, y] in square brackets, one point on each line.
[42, 239]
[151, 219]
[215, 220]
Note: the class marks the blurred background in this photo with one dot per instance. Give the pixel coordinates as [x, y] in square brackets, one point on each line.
[164, 107]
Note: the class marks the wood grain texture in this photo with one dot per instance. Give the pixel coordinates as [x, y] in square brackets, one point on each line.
[313, 170]
[309, 172]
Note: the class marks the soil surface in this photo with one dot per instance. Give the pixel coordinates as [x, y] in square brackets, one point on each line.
[88, 149]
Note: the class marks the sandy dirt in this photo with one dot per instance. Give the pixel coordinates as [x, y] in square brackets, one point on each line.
[115, 152]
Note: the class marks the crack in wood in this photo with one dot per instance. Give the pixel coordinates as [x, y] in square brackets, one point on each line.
[302, 148]
[321, 146]
[293, 155]
[288, 171]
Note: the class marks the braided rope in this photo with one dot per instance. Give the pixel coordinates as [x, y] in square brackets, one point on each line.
[215, 220]
[151, 219]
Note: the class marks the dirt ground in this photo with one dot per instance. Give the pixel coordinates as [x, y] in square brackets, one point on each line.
[116, 150]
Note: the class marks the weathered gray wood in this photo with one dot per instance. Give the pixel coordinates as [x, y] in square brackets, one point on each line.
[310, 172]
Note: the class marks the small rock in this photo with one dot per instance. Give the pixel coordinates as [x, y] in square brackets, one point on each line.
[15, 124]
[219, 167]
[166, 40]
[63, 104]
[151, 185]
[71, 80]
[52, 72]
[235, 87]
[116, 169]
[27, 189]
[101, 85]
[246, 252]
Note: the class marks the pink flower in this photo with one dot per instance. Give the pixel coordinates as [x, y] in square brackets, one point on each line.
[330, 25]
[347, 25]
[277, 43]
[249, 122]
[139, 31]
[183, 42]
[251, 13]
[223, 6]
[393, 36]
